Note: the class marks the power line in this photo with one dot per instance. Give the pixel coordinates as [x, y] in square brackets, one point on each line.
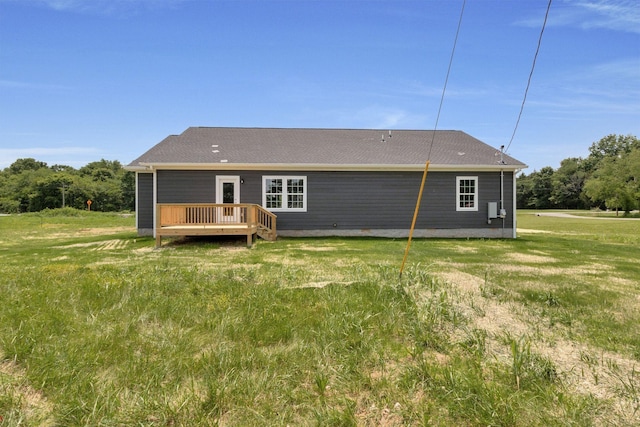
[433, 137]
[533, 66]
[446, 80]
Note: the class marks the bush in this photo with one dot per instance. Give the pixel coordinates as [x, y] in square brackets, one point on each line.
[63, 212]
[8, 206]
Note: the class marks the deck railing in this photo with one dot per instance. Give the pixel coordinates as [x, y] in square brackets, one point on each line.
[172, 215]
[266, 223]
[207, 218]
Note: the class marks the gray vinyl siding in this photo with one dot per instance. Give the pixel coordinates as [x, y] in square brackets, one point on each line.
[145, 201]
[356, 200]
[187, 186]
[371, 200]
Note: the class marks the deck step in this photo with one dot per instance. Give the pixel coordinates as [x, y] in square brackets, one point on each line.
[266, 234]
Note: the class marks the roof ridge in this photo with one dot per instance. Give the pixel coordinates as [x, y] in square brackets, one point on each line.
[323, 129]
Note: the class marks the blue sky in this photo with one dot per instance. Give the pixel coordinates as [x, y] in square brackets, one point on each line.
[82, 80]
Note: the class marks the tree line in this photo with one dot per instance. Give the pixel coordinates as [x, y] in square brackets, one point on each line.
[608, 178]
[29, 185]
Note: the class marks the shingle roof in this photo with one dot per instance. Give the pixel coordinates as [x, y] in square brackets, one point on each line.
[207, 147]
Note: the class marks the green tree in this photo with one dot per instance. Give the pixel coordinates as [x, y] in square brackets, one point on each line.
[63, 168]
[128, 189]
[567, 183]
[25, 188]
[51, 191]
[105, 188]
[27, 164]
[616, 181]
[29, 185]
[102, 170]
[524, 191]
[534, 191]
[541, 188]
[8, 204]
[609, 147]
[633, 175]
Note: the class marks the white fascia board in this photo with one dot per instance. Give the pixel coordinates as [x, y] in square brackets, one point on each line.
[326, 167]
[136, 168]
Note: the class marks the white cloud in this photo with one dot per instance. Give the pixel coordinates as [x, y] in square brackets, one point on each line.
[380, 117]
[101, 7]
[452, 91]
[621, 69]
[604, 88]
[617, 15]
[622, 15]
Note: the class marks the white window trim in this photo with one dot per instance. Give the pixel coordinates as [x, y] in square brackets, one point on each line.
[285, 195]
[475, 194]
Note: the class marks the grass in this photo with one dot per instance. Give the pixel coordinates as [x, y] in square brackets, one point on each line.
[97, 328]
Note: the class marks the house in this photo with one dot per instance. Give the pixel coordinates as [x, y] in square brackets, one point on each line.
[324, 182]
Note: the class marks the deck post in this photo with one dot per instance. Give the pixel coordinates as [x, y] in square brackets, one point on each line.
[251, 216]
[158, 225]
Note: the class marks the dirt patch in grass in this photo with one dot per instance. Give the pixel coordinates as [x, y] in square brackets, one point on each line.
[321, 284]
[313, 248]
[465, 250]
[284, 260]
[530, 258]
[531, 231]
[31, 403]
[496, 317]
[145, 250]
[381, 417]
[606, 375]
[589, 270]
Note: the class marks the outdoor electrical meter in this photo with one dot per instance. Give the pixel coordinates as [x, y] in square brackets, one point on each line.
[492, 211]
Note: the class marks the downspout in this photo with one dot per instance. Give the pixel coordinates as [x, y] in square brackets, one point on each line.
[500, 214]
[155, 198]
[514, 234]
[502, 199]
[137, 204]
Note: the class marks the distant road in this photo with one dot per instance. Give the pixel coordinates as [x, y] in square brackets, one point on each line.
[566, 215]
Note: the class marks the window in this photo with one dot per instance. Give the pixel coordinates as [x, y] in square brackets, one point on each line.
[284, 193]
[467, 193]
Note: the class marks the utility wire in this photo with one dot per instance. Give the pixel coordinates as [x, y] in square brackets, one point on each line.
[533, 66]
[446, 80]
[426, 166]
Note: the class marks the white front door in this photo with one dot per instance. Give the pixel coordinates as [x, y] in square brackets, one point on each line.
[228, 192]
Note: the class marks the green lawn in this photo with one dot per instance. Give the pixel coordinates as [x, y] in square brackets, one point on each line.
[98, 328]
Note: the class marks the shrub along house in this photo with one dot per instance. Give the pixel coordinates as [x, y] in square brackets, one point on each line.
[324, 182]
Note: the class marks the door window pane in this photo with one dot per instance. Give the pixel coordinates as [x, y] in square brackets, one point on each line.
[228, 192]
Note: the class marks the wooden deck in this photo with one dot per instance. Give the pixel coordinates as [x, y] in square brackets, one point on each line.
[207, 219]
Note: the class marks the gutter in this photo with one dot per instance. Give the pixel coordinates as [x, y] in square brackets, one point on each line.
[146, 167]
